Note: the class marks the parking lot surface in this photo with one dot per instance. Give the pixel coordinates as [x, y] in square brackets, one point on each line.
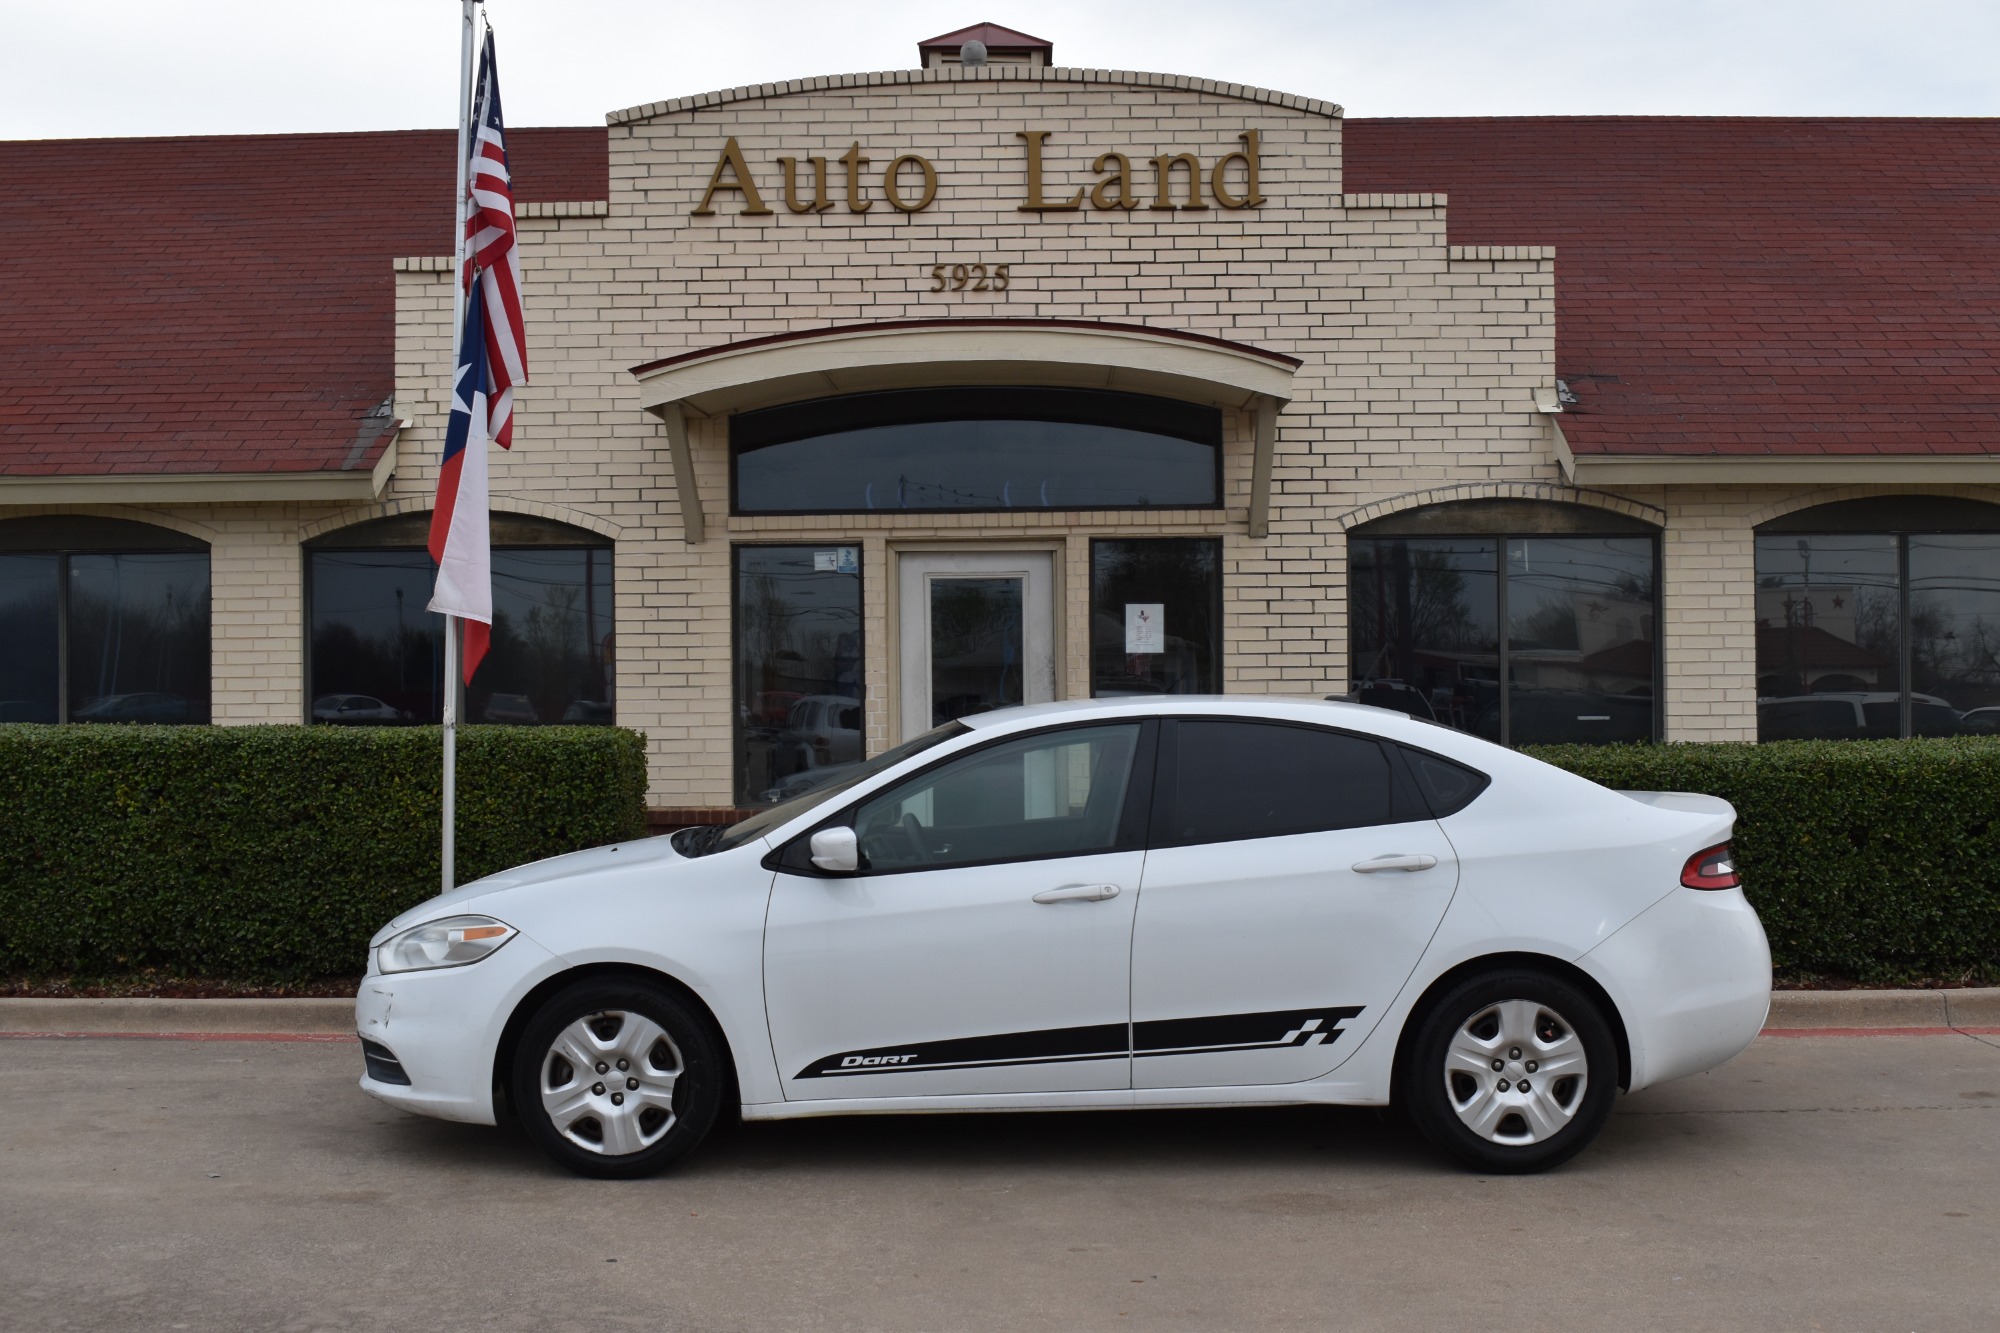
[1826, 1182]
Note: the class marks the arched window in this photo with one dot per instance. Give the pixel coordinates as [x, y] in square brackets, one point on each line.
[1520, 621]
[979, 449]
[1879, 617]
[377, 656]
[103, 620]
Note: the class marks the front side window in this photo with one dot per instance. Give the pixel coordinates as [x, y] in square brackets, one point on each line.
[1874, 634]
[1238, 780]
[1522, 639]
[103, 621]
[1055, 794]
[798, 665]
[976, 449]
[377, 655]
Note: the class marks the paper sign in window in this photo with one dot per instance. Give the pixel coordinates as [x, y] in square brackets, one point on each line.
[1145, 627]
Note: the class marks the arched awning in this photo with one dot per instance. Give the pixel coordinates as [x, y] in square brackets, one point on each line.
[860, 358]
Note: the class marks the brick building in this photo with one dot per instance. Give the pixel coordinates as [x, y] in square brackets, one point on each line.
[864, 401]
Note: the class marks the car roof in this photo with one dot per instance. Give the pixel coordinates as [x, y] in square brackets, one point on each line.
[1294, 708]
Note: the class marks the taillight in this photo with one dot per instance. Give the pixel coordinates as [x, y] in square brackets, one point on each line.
[1712, 869]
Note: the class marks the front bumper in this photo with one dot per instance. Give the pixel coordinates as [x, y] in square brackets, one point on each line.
[443, 1026]
[1691, 976]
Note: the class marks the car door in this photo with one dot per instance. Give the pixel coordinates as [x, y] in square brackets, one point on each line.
[1294, 879]
[985, 944]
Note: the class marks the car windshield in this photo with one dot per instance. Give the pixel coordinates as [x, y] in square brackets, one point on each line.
[765, 820]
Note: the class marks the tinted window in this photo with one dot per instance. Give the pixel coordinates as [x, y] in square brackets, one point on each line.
[1156, 616]
[1257, 780]
[133, 624]
[1448, 787]
[1054, 794]
[551, 654]
[798, 669]
[976, 448]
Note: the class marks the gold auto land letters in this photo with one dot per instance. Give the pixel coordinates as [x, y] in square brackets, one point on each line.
[909, 184]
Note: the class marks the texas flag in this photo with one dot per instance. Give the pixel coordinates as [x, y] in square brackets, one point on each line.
[460, 541]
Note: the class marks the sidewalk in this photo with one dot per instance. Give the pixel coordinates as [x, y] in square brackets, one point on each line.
[1791, 1011]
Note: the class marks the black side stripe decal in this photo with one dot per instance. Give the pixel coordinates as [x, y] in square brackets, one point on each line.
[1272, 1030]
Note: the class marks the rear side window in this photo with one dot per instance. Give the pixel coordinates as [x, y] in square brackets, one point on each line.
[1238, 780]
[1449, 787]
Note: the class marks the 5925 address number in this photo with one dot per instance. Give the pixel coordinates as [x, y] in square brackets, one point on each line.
[969, 277]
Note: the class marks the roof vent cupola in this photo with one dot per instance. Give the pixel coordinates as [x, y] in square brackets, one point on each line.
[986, 44]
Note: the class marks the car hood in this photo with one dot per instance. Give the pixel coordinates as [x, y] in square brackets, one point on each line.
[576, 866]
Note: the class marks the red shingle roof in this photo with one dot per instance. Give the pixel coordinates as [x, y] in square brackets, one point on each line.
[1736, 286]
[1756, 287]
[222, 304]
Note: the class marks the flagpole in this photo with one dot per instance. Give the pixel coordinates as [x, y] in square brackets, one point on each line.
[448, 853]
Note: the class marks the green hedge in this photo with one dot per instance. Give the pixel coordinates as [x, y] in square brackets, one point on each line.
[273, 853]
[1876, 861]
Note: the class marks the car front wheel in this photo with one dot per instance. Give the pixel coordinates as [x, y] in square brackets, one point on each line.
[1512, 1072]
[617, 1079]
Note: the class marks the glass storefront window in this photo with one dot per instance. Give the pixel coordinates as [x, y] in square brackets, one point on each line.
[1955, 634]
[1156, 616]
[1580, 648]
[138, 637]
[377, 656]
[1579, 659]
[1425, 628]
[30, 668]
[98, 627]
[1865, 635]
[799, 717]
[1829, 628]
[976, 449]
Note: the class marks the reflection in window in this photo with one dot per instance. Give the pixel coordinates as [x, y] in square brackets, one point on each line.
[1877, 634]
[1156, 617]
[378, 655]
[977, 449]
[799, 721]
[99, 628]
[1579, 658]
[1057, 794]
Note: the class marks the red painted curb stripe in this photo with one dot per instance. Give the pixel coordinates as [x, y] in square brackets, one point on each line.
[1879, 1032]
[180, 1036]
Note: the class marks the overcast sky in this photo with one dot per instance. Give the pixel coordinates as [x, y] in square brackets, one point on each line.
[114, 67]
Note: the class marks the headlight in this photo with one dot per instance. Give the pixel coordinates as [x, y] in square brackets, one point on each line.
[451, 941]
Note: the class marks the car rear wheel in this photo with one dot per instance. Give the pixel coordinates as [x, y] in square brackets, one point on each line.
[617, 1079]
[1512, 1072]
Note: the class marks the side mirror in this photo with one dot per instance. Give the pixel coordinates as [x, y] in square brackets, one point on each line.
[836, 850]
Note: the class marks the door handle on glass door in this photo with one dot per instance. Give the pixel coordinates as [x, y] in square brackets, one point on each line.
[1078, 893]
[1394, 862]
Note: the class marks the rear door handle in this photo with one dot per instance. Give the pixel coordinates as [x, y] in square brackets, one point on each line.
[1078, 893]
[1394, 862]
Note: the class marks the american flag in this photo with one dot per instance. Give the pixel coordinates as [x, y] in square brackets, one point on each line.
[493, 250]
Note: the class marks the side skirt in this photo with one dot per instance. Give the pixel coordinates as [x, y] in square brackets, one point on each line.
[1328, 1093]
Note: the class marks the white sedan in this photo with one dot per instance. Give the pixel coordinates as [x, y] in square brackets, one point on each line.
[1116, 903]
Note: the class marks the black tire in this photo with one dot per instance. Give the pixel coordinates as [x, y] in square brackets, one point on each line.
[1532, 1131]
[658, 1135]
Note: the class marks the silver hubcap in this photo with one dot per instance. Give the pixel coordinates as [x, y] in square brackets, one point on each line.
[1516, 1073]
[608, 1082]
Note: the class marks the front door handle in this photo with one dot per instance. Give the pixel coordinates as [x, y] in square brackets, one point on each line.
[1078, 893]
[1394, 862]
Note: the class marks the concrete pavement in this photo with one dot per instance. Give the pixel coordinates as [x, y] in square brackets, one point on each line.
[1816, 1182]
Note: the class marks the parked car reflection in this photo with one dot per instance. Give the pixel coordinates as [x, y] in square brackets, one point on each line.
[1861, 715]
[146, 706]
[355, 710]
[510, 709]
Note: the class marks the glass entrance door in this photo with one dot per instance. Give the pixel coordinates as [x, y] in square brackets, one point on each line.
[978, 633]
